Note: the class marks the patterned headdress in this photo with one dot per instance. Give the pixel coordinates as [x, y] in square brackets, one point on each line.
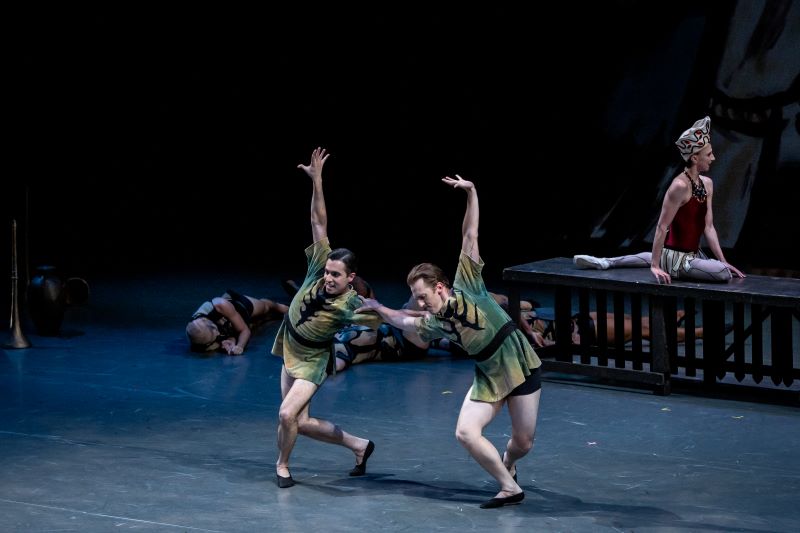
[693, 139]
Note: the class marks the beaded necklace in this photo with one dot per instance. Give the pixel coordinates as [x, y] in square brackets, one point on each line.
[698, 189]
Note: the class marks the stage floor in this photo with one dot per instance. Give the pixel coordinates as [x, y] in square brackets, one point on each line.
[115, 425]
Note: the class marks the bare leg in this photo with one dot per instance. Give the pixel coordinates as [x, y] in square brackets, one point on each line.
[296, 395]
[524, 411]
[294, 419]
[473, 418]
[265, 307]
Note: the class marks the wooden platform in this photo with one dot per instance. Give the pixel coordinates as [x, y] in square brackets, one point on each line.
[749, 301]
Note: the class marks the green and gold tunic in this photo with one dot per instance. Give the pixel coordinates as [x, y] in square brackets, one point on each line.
[472, 318]
[315, 317]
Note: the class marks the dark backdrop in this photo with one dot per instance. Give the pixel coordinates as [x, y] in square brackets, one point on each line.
[117, 117]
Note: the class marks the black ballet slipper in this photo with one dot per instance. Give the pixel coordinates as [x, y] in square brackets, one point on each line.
[285, 482]
[501, 502]
[361, 469]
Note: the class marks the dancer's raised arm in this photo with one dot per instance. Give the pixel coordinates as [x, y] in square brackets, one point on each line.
[319, 215]
[469, 228]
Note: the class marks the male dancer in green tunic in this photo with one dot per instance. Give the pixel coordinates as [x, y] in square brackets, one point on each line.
[322, 306]
[506, 367]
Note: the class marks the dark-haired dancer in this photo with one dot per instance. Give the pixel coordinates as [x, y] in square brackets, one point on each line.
[324, 303]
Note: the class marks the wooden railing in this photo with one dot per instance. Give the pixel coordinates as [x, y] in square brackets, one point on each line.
[732, 313]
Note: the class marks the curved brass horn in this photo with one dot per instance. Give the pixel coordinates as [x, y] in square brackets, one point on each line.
[16, 337]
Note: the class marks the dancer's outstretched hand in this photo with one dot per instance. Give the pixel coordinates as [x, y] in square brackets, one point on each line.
[458, 183]
[369, 304]
[314, 167]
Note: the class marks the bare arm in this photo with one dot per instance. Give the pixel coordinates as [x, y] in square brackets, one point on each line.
[469, 228]
[233, 346]
[673, 200]
[319, 215]
[710, 232]
[399, 319]
[412, 309]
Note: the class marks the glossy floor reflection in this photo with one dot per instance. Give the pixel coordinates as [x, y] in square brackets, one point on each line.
[115, 425]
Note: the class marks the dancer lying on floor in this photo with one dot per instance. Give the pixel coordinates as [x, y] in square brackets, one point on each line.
[540, 328]
[225, 323]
